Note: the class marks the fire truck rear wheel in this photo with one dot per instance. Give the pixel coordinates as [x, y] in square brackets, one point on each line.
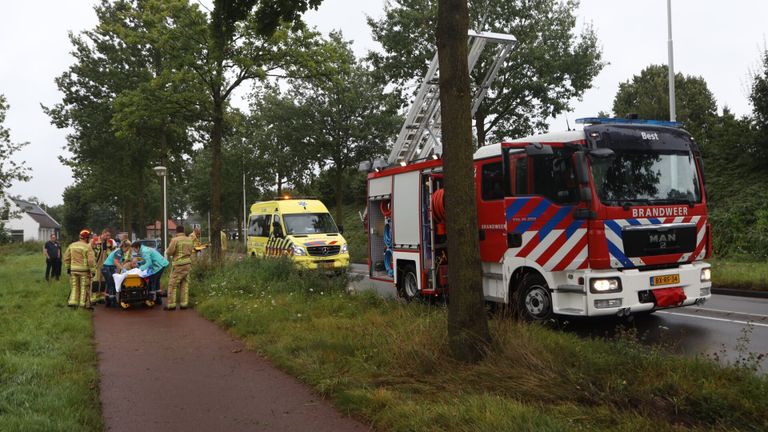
[534, 301]
[408, 288]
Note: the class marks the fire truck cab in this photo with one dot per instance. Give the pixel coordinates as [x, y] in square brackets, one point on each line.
[608, 220]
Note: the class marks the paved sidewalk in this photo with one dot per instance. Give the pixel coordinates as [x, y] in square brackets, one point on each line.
[176, 371]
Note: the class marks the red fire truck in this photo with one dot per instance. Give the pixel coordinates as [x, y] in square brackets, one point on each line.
[608, 220]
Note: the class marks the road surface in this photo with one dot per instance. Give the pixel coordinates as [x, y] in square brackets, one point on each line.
[717, 327]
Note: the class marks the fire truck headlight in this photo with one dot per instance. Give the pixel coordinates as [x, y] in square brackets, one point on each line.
[706, 275]
[344, 248]
[606, 285]
[299, 251]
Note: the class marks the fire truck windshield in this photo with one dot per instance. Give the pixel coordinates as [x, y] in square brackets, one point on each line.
[647, 177]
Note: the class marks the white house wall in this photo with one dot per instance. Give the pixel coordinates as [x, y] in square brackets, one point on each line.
[24, 222]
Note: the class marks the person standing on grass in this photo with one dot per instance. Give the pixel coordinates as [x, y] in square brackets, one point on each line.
[154, 263]
[52, 252]
[81, 265]
[180, 253]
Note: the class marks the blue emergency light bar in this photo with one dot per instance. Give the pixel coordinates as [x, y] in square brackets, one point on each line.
[606, 120]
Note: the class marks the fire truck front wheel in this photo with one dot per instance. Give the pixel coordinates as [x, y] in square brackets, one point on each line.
[408, 286]
[534, 302]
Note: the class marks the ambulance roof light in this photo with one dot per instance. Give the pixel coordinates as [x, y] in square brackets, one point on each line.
[606, 120]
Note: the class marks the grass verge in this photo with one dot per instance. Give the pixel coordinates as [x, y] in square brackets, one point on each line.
[48, 375]
[387, 363]
[739, 274]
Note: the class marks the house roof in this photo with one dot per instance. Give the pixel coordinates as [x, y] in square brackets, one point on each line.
[38, 214]
[157, 225]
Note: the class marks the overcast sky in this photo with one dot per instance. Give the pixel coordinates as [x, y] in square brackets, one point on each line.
[720, 41]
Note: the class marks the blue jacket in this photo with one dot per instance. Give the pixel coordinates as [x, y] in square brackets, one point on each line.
[110, 261]
[152, 259]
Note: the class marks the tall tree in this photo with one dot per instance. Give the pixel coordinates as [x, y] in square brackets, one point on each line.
[468, 333]
[647, 95]
[126, 111]
[10, 169]
[550, 65]
[350, 118]
[758, 96]
[235, 54]
[278, 131]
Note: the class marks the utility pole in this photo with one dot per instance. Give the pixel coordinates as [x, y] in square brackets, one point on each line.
[672, 113]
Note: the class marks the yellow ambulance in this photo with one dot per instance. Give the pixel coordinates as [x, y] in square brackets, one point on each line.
[299, 228]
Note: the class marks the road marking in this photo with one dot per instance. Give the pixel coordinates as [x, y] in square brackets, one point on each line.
[732, 312]
[716, 319]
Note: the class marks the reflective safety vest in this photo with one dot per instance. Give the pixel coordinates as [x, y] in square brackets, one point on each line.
[181, 249]
[79, 257]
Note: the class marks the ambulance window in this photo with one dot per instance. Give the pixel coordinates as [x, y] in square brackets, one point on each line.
[492, 181]
[253, 226]
[554, 177]
[259, 226]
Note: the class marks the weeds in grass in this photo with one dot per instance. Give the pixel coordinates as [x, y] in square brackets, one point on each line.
[389, 363]
[745, 359]
[48, 376]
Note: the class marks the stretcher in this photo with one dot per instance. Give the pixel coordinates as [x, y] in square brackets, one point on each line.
[131, 289]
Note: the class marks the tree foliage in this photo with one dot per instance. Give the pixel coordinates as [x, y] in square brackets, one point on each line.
[550, 65]
[647, 95]
[758, 96]
[10, 170]
[127, 106]
[349, 117]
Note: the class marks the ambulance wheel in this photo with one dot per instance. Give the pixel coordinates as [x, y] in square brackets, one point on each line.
[408, 286]
[534, 302]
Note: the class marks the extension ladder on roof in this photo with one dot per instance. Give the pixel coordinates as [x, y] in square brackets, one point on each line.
[420, 134]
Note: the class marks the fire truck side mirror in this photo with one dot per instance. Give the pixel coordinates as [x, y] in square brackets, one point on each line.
[601, 153]
[538, 149]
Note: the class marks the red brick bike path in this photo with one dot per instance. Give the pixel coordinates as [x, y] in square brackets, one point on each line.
[176, 371]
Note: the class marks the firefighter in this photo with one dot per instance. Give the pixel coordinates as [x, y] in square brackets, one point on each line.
[195, 237]
[180, 253]
[81, 265]
[104, 247]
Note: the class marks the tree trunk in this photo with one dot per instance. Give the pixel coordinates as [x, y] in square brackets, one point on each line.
[480, 127]
[142, 226]
[339, 196]
[468, 334]
[216, 137]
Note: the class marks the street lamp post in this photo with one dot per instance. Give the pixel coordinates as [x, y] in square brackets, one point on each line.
[162, 172]
[671, 54]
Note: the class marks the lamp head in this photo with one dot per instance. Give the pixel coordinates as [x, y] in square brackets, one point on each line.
[160, 170]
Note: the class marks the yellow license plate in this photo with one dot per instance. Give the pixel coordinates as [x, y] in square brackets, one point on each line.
[665, 280]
